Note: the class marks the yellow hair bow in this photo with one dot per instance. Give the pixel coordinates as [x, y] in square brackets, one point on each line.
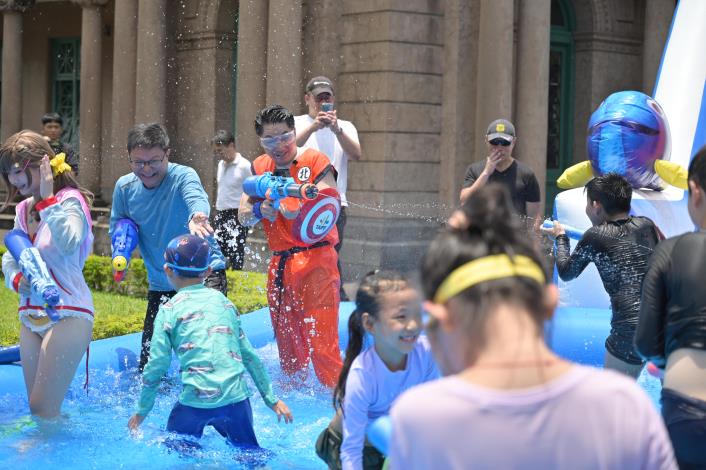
[58, 165]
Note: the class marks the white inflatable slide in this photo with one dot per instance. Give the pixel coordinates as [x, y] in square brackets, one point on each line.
[681, 91]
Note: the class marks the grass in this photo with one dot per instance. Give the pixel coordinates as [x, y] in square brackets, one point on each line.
[117, 315]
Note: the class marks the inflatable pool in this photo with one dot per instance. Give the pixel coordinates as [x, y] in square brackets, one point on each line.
[96, 436]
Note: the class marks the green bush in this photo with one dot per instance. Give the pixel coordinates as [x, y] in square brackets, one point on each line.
[98, 272]
[247, 290]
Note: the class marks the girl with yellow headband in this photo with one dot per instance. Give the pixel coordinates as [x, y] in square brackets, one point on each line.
[56, 217]
[508, 401]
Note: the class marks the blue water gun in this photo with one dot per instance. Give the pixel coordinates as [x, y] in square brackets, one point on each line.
[571, 232]
[35, 270]
[275, 188]
[122, 244]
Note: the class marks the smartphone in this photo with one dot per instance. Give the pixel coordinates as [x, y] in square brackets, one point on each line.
[327, 107]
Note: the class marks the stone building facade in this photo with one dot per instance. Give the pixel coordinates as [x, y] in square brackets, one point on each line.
[420, 79]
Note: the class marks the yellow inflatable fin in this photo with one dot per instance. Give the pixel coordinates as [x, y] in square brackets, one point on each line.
[672, 173]
[576, 176]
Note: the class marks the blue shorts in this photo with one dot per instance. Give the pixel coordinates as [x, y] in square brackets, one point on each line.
[234, 422]
[685, 418]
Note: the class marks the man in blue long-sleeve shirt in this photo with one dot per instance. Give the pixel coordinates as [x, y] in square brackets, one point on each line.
[164, 200]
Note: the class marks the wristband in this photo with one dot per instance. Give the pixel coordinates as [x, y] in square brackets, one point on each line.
[256, 210]
[44, 203]
[16, 281]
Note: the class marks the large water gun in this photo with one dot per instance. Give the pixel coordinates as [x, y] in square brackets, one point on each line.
[35, 270]
[123, 243]
[275, 188]
[571, 232]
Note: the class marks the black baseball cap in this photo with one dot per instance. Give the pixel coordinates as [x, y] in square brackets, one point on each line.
[501, 129]
[318, 85]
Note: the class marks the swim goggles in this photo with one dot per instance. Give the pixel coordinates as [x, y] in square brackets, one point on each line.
[276, 141]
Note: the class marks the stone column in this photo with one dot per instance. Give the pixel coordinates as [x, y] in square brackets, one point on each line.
[458, 99]
[91, 87]
[533, 86]
[284, 54]
[322, 40]
[495, 66]
[11, 108]
[150, 99]
[658, 18]
[123, 105]
[252, 73]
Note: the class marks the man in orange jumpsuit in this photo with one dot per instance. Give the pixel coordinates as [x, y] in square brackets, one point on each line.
[303, 280]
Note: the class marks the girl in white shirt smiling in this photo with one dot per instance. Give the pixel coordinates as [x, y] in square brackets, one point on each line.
[372, 377]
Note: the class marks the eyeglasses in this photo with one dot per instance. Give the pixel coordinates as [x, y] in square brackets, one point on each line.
[139, 165]
[501, 142]
[277, 140]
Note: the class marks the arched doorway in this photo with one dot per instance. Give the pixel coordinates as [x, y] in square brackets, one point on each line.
[561, 95]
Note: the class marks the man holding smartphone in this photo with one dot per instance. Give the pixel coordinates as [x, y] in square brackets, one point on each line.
[337, 139]
[500, 167]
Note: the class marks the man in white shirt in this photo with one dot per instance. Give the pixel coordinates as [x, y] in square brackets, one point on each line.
[233, 168]
[338, 139]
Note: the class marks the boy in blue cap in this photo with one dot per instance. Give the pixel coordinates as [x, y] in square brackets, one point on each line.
[203, 328]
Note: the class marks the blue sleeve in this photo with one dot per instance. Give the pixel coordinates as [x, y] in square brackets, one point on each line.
[355, 419]
[217, 261]
[117, 208]
[193, 193]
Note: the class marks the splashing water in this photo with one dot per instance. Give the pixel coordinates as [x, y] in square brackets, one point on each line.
[93, 433]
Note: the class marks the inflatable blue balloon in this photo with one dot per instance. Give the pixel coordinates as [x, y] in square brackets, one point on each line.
[380, 433]
[626, 134]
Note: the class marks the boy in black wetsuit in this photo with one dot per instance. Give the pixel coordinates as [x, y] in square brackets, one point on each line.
[619, 245]
[672, 328]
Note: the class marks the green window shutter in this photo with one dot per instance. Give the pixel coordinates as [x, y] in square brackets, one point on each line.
[66, 86]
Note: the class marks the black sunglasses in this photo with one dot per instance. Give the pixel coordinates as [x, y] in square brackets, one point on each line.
[501, 142]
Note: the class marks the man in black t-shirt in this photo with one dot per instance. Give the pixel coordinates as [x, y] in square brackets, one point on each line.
[500, 167]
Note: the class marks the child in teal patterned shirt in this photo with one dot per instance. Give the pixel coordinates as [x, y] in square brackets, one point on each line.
[203, 328]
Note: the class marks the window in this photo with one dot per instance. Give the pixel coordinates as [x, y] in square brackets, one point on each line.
[66, 73]
[561, 97]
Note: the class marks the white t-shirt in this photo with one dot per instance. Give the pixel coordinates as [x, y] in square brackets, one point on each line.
[370, 390]
[325, 141]
[585, 419]
[230, 177]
